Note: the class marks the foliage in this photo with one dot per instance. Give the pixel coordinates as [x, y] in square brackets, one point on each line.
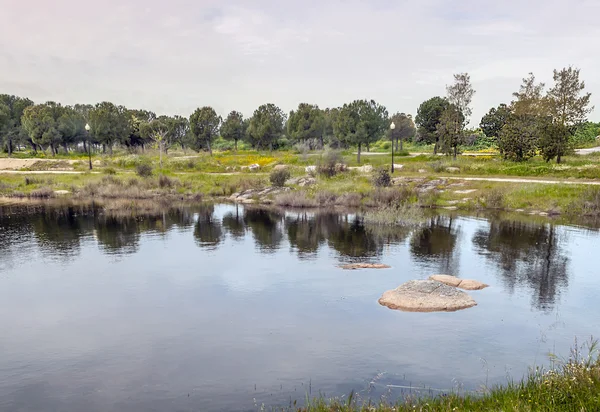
[566, 108]
[404, 129]
[529, 99]
[307, 124]
[204, 128]
[234, 127]
[360, 123]
[450, 130]
[586, 134]
[328, 164]
[518, 138]
[266, 126]
[144, 170]
[382, 178]
[279, 176]
[109, 124]
[428, 117]
[460, 94]
[41, 124]
[11, 112]
[493, 122]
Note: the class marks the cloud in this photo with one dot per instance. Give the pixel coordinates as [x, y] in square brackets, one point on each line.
[173, 57]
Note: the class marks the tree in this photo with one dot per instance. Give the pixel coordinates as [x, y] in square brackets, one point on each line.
[330, 116]
[71, 125]
[157, 131]
[405, 128]
[306, 123]
[428, 117]
[41, 124]
[450, 130]
[493, 122]
[567, 107]
[109, 124]
[11, 129]
[179, 129]
[266, 126]
[518, 138]
[529, 99]
[361, 122]
[461, 93]
[234, 127]
[136, 119]
[204, 128]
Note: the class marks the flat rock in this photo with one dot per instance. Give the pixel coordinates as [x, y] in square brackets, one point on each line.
[353, 266]
[452, 169]
[467, 284]
[422, 171]
[426, 296]
[280, 167]
[466, 191]
[61, 192]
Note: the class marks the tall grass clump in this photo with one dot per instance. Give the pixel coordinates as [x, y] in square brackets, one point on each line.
[143, 170]
[382, 178]
[588, 203]
[494, 199]
[294, 199]
[279, 176]
[328, 164]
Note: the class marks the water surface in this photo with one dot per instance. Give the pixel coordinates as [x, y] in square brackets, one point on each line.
[223, 308]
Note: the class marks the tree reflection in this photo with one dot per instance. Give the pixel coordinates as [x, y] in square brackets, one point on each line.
[58, 231]
[233, 222]
[436, 242]
[349, 237]
[305, 232]
[527, 254]
[208, 231]
[265, 227]
[117, 235]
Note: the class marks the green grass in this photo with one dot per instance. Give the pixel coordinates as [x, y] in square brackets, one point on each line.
[571, 385]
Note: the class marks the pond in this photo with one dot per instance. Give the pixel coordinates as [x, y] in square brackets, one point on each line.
[226, 308]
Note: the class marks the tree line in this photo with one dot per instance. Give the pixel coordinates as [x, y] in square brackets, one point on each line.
[532, 122]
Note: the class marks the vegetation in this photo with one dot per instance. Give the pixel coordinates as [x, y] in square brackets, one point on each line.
[279, 176]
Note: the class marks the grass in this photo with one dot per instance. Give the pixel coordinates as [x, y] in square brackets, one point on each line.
[572, 384]
[191, 175]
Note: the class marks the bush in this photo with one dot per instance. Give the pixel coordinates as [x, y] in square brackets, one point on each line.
[391, 196]
[328, 162]
[143, 170]
[351, 199]
[279, 176]
[109, 171]
[494, 199]
[294, 199]
[382, 178]
[165, 181]
[325, 198]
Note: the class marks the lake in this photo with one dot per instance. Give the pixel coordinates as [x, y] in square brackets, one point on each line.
[226, 308]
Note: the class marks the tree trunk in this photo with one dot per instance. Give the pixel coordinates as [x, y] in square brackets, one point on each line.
[235, 145]
[103, 148]
[160, 150]
[401, 141]
[358, 154]
[66, 148]
[455, 150]
[368, 147]
[84, 147]
[9, 147]
[321, 140]
[435, 147]
[110, 149]
[558, 158]
[52, 150]
[209, 148]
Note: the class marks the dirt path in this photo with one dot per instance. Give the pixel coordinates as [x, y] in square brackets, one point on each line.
[524, 180]
[18, 164]
[42, 172]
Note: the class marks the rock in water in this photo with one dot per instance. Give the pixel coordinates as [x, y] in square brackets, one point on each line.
[353, 266]
[426, 296]
[467, 284]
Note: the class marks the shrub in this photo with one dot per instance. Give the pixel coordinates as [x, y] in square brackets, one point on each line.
[294, 199]
[391, 196]
[165, 181]
[328, 162]
[143, 170]
[31, 181]
[109, 171]
[402, 152]
[325, 198]
[279, 176]
[351, 199]
[386, 145]
[382, 178]
[42, 193]
[437, 166]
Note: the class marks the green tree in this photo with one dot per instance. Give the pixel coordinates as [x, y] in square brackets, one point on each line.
[136, 119]
[460, 94]
[427, 119]
[234, 128]
[493, 122]
[567, 107]
[529, 99]
[360, 123]
[41, 124]
[519, 137]
[266, 126]
[204, 128]
[306, 124]
[450, 130]
[11, 129]
[405, 129]
[179, 130]
[109, 124]
[71, 125]
[330, 116]
[157, 131]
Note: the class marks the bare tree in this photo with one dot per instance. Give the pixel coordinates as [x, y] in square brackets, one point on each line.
[461, 93]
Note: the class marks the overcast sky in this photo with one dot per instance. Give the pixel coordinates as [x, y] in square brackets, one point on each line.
[173, 56]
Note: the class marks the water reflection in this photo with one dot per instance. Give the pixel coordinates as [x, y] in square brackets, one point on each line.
[207, 230]
[266, 228]
[527, 254]
[436, 243]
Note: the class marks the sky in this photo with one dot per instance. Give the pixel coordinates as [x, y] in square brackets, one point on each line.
[174, 56]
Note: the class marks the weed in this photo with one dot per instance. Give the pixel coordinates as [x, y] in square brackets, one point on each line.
[279, 176]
